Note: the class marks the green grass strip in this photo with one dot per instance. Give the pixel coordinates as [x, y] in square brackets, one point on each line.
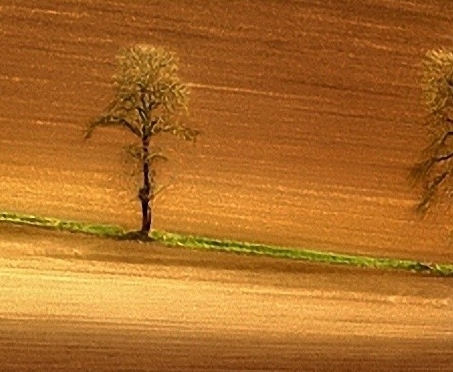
[204, 243]
[56, 224]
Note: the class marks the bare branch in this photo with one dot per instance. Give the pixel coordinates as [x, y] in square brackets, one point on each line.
[142, 100]
[422, 170]
[142, 114]
[136, 152]
[442, 158]
[178, 130]
[157, 156]
[446, 134]
[108, 120]
[429, 192]
[152, 105]
[189, 134]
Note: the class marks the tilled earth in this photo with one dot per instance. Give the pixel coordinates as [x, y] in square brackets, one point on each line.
[311, 117]
[75, 303]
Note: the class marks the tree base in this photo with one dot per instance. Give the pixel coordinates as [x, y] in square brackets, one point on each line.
[137, 235]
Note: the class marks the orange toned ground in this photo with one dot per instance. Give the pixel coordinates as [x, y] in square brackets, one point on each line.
[74, 303]
[311, 117]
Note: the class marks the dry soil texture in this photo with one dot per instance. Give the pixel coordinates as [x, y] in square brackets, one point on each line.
[71, 303]
[311, 117]
[310, 113]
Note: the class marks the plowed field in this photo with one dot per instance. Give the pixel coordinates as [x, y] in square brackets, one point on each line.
[310, 115]
[75, 303]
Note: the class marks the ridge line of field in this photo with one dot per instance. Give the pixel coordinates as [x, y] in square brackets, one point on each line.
[199, 242]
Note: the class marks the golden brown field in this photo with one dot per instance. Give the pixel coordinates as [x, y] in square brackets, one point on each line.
[75, 303]
[310, 115]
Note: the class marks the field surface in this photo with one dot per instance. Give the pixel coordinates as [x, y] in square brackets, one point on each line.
[310, 115]
[75, 303]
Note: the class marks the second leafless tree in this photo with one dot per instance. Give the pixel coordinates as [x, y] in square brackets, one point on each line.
[435, 170]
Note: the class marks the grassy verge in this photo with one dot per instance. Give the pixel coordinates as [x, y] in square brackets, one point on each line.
[198, 242]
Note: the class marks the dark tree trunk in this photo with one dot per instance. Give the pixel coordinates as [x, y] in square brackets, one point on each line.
[145, 191]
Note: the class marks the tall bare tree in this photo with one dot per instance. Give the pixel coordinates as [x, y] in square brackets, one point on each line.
[435, 171]
[149, 99]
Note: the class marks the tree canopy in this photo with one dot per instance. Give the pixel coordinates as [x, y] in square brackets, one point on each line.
[149, 99]
[148, 92]
[434, 172]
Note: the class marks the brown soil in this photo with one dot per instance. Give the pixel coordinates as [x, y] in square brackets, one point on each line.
[311, 118]
[72, 303]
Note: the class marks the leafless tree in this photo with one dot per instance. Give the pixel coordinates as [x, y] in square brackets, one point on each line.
[434, 172]
[149, 99]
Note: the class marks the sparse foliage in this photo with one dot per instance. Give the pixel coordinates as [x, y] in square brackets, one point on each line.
[435, 170]
[149, 99]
